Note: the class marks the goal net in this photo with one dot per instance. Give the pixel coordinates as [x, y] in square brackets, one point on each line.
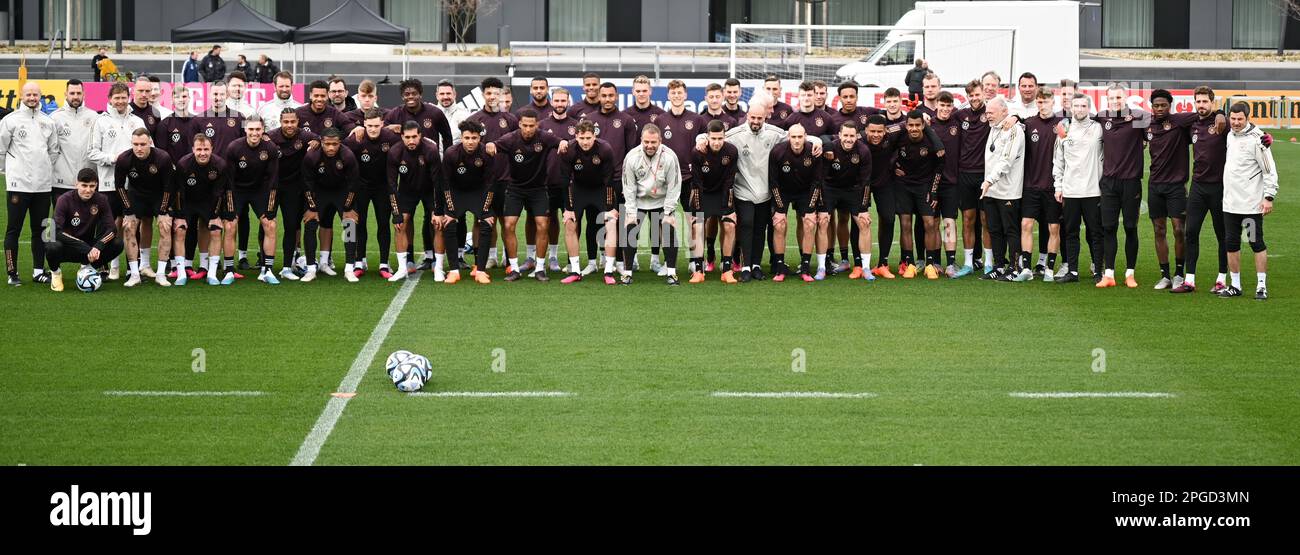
[878, 55]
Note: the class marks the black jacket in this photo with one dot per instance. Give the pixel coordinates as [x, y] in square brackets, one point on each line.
[915, 79]
[265, 73]
[212, 68]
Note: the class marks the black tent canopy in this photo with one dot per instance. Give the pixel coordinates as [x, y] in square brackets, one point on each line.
[234, 22]
[352, 23]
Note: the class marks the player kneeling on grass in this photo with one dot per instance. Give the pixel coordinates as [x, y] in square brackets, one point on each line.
[713, 175]
[1249, 186]
[587, 170]
[143, 177]
[83, 229]
[332, 178]
[652, 182]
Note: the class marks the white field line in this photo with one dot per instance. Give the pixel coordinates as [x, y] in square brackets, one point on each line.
[184, 393]
[311, 446]
[1093, 395]
[486, 394]
[789, 395]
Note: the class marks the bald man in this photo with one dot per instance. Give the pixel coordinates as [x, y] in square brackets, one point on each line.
[29, 146]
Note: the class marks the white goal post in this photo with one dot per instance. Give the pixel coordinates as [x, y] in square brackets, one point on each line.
[874, 55]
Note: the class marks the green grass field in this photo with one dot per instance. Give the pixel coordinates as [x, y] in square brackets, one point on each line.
[641, 364]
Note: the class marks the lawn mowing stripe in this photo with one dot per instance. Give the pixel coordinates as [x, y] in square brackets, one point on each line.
[311, 446]
[184, 393]
[491, 394]
[789, 395]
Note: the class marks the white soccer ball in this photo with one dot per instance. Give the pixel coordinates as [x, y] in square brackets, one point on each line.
[394, 360]
[88, 280]
[412, 376]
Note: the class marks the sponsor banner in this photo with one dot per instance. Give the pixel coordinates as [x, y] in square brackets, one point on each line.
[97, 94]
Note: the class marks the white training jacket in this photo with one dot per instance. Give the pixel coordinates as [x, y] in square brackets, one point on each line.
[1004, 161]
[1249, 173]
[110, 137]
[29, 145]
[651, 182]
[270, 111]
[74, 126]
[1076, 163]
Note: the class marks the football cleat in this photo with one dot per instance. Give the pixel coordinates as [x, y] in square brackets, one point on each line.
[1025, 274]
[1131, 282]
[310, 276]
[351, 277]
[697, 277]
[1069, 277]
[146, 272]
[452, 277]
[14, 281]
[268, 278]
[709, 267]
[1261, 294]
[288, 273]
[1179, 280]
[856, 273]
[527, 267]
[963, 272]
[243, 264]
[820, 275]
[1218, 287]
[806, 277]
[931, 271]
[553, 264]
[907, 270]
[671, 280]
[511, 275]
[1106, 282]
[212, 280]
[439, 275]
[1164, 283]
[327, 270]
[625, 279]
[610, 279]
[589, 268]
[56, 281]
[540, 275]
[729, 277]
[132, 281]
[1230, 291]
[571, 278]
[161, 280]
[1184, 288]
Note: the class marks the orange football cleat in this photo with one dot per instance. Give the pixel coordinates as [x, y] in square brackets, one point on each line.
[856, 273]
[1106, 282]
[729, 277]
[931, 272]
[1131, 282]
[452, 277]
[908, 270]
[883, 272]
[697, 277]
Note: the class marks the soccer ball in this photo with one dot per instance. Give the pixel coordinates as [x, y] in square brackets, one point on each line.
[88, 280]
[395, 359]
[413, 376]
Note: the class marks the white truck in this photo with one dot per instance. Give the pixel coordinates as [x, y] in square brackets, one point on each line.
[961, 40]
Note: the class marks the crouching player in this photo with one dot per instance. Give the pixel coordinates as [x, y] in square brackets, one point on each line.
[84, 230]
[202, 197]
[588, 171]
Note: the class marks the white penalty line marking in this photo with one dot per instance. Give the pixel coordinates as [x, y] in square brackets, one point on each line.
[184, 393]
[311, 446]
[488, 394]
[1092, 395]
[789, 395]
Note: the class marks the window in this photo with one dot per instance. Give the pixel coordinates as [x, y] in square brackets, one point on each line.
[264, 7]
[577, 20]
[1128, 23]
[85, 19]
[901, 53]
[1255, 24]
[422, 17]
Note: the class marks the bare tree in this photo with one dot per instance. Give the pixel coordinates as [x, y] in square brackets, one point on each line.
[1289, 9]
[462, 14]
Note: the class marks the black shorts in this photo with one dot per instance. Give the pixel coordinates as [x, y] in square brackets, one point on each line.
[587, 200]
[258, 200]
[854, 201]
[556, 197]
[329, 204]
[472, 201]
[198, 215]
[713, 204]
[949, 201]
[407, 203]
[1040, 205]
[1253, 234]
[799, 201]
[968, 190]
[144, 204]
[913, 199]
[1166, 200]
[115, 203]
[518, 199]
[497, 196]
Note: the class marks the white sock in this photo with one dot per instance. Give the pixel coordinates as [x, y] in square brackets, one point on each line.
[162, 268]
[609, 265]
[1128, 273]
[988, 256]
[654, 259]
[866, 261]
[970, 255]
[1261, 280]
[492, 253]
[438, 259]
[821, 261]
[1110, 274]
[134, 267]
[575, 264]
[1236, 279]
[401, 262]
[348, 268]
[1190, 279]
[323, 258]
[203, 259]
[514, 264]
[114, 265]
[300, 261]
[212, 266]
[428, 255]
[1222, 278]
[532, 251]
[242, 255]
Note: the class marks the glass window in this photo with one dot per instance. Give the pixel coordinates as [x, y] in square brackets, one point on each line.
[576, 20]
[422, 17]
[1128, 23]
[264, 7]
[86, 11]
[1255, 24]
[901, 53]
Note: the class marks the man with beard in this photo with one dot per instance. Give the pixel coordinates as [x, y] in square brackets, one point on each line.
[271, 109]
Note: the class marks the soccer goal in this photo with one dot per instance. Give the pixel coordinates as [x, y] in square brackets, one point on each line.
[873, 55]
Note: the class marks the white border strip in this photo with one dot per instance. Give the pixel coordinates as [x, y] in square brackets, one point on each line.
[184, 393]
[490, 394]
[334, 408]
[789, 395]
[1093, 395]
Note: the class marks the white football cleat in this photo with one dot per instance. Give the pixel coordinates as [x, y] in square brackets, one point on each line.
[327, 269]
[114, 271]
[161, 279]
[289, 274]
[1164, 283]
[591, 267]
[351, 277]
[398, 276]
[1178, 281]
[146, 272]
[439, 274]
[132, 281]
[309, 276]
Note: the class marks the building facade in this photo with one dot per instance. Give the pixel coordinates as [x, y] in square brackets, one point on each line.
[1164, 24]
